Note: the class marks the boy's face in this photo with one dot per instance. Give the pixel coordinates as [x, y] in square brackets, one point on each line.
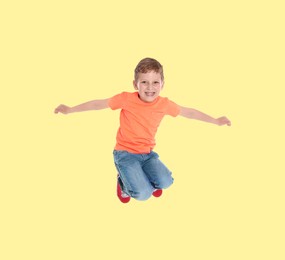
[148, 86]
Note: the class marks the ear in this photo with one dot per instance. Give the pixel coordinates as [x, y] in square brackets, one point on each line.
[162, 84]
[135, 85]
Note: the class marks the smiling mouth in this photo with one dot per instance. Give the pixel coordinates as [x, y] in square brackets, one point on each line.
[149, 94]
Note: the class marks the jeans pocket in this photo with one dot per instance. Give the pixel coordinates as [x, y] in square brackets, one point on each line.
[119, 155]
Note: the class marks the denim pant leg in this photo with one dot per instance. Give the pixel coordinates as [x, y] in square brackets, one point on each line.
[157, 173]
[135, 182]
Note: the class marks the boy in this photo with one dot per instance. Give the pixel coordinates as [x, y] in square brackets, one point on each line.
[140, 172]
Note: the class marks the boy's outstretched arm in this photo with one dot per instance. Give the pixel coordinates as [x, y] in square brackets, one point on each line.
[195, 114]
[90, 105]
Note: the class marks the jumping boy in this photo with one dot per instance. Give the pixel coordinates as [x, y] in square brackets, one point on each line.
[140, 172]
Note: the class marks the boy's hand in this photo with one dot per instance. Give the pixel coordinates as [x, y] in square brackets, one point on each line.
[62, 109]
[223, 121]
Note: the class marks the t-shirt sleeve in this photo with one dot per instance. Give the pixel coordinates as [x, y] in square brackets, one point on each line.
[172, 108]
[117, 101]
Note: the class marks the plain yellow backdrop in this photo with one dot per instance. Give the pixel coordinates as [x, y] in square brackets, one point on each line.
[58, 181]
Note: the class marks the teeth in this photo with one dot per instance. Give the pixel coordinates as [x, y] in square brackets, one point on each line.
[150, 94]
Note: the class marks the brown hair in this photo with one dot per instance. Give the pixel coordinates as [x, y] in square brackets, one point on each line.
[147, 65]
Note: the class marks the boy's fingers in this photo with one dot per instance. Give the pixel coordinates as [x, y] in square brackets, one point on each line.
[57, 110]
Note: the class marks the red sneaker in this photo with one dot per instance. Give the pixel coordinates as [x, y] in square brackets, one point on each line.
[123, 197]
[157, 193]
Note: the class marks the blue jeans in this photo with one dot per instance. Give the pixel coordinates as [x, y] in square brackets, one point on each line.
[141, 174]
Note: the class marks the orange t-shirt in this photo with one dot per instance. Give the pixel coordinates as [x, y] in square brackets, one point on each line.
[139, 120]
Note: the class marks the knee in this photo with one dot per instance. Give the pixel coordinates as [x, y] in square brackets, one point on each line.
[165, 183]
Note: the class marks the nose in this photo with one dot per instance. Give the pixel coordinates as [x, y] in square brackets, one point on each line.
[149, 86]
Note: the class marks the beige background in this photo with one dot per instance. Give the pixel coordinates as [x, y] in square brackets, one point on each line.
[58, 181]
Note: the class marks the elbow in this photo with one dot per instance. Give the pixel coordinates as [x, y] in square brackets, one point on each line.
[187, 112]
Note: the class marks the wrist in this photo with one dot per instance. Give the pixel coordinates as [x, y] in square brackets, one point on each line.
[70, 110]
[215, 121]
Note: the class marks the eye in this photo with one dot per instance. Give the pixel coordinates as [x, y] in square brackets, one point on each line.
[143, 82]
